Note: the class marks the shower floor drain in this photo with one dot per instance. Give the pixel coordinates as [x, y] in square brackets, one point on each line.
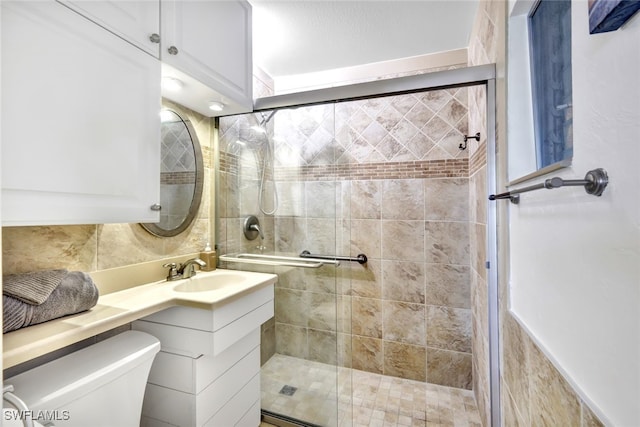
[288, 390]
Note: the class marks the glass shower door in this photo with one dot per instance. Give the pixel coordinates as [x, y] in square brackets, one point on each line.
[280, 167]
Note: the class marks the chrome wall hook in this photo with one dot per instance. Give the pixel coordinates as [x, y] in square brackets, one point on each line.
[466, 138]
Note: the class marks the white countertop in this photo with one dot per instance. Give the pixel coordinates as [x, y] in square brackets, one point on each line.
[119, 308]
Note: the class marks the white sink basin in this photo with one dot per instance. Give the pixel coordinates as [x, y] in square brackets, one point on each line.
[212, 281]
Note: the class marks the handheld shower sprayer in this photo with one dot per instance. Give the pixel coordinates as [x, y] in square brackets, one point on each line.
[267, 159]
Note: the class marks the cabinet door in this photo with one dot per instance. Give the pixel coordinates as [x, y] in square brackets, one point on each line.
[80, 121]
[211, 42]
[134, 21]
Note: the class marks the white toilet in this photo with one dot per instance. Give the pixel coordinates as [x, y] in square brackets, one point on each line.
[100, 386]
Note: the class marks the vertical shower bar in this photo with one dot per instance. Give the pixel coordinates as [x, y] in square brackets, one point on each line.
[492, 261]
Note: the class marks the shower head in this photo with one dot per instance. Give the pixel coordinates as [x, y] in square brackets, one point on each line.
[261, 127]
[266, 117]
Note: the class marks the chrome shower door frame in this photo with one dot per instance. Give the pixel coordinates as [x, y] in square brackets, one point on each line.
[469, 76]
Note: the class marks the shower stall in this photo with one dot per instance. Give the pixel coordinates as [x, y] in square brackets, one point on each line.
[364, 203]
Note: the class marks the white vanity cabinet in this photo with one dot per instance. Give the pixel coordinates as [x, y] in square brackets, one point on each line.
[80, 123]
[207, 372]
[204, 44]
[136, 21]
[210, 42]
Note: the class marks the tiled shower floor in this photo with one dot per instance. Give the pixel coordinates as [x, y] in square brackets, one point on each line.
[378, 400]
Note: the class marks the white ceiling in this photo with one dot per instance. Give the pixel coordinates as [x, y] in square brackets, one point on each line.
[300, 36]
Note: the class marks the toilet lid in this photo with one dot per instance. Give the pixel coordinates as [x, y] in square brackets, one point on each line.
[11, 418]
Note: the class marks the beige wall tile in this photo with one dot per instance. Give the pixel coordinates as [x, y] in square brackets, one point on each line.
[292, 306]
[291, 196]
[449, 368]
[589, 419]
[267, 341]
[321, 199]
[510, 415]
[448, 285]
[345, 350]
[366, 315]
[322, 279]
[477, 244]
[293, 278]
[290, 234]
[291, 340]
[553, 402]
[404, 322]
[366, 279]
[344, 314]
[447, 199]
[366, 238]
[449, 328]
[403, 199]
[447, 242]
[404, 360]
[367, 354]
[141, 246]
[403, 240]
[403, 281]
[516, 365]
[322, 312]
[27, 249]
[478, 196]
[323, 346]
[321, 236]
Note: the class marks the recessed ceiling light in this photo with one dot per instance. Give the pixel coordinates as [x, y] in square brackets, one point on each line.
[216, 106]
[172, 84]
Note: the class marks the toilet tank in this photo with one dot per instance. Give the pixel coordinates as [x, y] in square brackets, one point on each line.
[101, 385]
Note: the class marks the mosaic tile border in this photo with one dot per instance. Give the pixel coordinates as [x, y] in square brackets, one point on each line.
[446, 168]
[478, 159]
[186, 177]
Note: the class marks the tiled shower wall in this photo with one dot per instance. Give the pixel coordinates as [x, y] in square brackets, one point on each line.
[384, 177]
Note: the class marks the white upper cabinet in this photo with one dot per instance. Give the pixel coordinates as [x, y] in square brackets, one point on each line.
[210, 42]
[80, 123]
[137, 22]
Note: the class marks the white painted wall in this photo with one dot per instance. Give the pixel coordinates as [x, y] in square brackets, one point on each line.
[575, 258]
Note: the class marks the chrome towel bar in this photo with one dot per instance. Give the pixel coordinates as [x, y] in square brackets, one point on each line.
[277, 260]
[360, 258]
[594, 182]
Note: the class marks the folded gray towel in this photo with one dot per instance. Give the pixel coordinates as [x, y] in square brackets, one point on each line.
[33, 287]
[75, 293]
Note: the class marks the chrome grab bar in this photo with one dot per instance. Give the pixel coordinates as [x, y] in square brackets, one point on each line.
[360, 258]
[277, 260]
[594, 182]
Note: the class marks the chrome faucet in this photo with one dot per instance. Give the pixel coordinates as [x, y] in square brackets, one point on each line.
[183, 271]
[187, 269]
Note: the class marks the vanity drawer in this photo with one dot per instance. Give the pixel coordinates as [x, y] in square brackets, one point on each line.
[252, 418]
[220, 316]
[242, 409]
[195, 342]
[239, 384]
[194, 375]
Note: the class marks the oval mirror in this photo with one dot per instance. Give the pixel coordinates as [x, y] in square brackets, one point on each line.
[181, 176]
